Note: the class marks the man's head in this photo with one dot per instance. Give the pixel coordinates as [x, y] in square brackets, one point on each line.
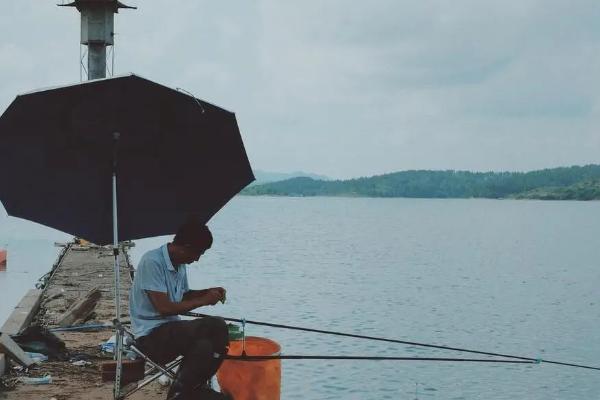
[190, 242]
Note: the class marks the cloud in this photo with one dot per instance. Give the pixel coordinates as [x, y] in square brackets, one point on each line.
[350, 89]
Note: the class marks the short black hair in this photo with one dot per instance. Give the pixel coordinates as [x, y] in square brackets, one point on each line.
[194, 233]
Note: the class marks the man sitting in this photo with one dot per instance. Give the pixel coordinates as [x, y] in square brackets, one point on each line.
[159, 293]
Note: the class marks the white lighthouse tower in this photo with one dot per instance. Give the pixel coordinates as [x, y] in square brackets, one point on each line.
[97, 33]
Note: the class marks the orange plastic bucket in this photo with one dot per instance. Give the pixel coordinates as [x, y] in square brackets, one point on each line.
[252, 380]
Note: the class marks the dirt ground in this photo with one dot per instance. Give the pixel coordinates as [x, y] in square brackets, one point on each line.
[81, 269]
[71, 381]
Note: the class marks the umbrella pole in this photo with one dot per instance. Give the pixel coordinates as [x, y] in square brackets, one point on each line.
[117, 321]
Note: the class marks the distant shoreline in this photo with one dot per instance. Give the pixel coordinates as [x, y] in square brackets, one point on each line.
[580, 183]
[412, 198]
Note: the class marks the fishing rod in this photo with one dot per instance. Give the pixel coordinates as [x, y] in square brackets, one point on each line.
[87, 327]
[297, 328]
[303, 357]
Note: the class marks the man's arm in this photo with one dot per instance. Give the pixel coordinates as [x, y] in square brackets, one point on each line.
[193, 294]
[164, 306]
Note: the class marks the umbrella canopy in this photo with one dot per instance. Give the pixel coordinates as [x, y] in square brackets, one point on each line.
[176, 156]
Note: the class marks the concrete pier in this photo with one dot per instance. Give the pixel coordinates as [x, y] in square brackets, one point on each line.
[83, 268]
[23, 313]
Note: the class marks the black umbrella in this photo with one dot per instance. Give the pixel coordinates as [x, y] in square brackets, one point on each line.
[176, 156]
[71, 156]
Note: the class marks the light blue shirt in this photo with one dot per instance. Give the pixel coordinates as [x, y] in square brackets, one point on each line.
[155, 272]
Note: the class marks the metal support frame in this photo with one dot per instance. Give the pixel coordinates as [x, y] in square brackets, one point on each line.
[110, 55]
[168, 368]
[110, 62]
[82, 68]
[157, 366]
[153, 373]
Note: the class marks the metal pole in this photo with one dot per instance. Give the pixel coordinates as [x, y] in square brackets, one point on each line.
[118, 331]
[97, 32]
[116, 250]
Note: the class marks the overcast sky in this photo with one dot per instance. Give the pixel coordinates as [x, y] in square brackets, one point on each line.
[353, 88]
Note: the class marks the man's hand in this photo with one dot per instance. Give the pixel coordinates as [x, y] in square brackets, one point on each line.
[214, 295]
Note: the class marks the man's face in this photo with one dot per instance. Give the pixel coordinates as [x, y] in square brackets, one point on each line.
[192, 253]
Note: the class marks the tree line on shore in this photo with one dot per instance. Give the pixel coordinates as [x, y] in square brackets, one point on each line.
[564, 183]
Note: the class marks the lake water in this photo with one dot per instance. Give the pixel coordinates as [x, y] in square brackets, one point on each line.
[518, 277]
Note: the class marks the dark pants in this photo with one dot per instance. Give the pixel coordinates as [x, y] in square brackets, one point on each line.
[200, 341]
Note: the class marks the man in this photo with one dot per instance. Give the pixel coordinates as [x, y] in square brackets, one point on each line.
[159, 293]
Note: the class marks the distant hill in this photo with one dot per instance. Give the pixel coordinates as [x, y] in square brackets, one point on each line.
[267, 177]
[576, 183]
[586, 190]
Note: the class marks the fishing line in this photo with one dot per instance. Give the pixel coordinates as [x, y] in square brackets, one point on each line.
[535, 360]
